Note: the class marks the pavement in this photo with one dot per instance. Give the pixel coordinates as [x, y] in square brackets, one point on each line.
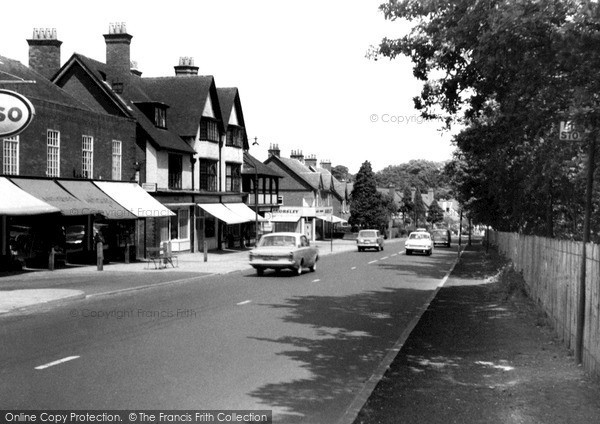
[483, 352]
[22, 292]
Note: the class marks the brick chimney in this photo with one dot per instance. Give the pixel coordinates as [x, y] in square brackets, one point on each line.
[297, 154]
[118, 55]
[274, 150]
[186, 67]
[311, 160]
[44, 51]
[326, 164]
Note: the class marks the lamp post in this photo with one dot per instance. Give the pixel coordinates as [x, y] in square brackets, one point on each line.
[255, 143]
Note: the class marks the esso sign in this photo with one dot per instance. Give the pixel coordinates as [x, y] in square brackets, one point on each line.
[16, 112]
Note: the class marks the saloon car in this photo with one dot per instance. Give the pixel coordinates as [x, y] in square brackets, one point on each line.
[441, 237]
[369, 239]
[419, 241]
[284, 251]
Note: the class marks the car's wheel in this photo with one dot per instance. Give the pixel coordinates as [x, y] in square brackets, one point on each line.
[408, 252]
[382, 247]
[429, 252]
[260, 271]
[313, 268]
[359, 249]
[298, 270]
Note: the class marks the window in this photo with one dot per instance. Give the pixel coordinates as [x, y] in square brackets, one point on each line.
[160, 117]
[235, 136]
[10, 155]
[208, 175]
[180, 224]
[233, 177]
[209, 130]
[87, 156]
[175, 171]
[116, 159]
[53, 153]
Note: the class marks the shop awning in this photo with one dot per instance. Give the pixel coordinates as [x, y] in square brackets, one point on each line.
[16, 201]
[50, 192]
[135, 199]
[244, 211]
[285, 218]
[101, 202]
[220, 211]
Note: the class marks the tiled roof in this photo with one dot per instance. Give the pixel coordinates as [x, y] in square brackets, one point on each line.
[251, 163]
[186, 97]
[135, 91]
[39, 87]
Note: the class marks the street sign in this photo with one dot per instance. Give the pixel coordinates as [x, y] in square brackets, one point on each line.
[568, 131]
[16, 113]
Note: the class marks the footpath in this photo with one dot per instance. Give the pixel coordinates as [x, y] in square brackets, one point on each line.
[22, 292]
[483, 353]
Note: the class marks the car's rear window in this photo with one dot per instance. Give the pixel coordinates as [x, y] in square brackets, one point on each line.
[367, 234]
[418, 236]
[278, 241]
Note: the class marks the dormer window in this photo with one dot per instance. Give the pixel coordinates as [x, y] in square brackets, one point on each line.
[160, 117]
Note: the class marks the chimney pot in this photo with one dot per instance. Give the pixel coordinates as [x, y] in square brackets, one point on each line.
[44, 51]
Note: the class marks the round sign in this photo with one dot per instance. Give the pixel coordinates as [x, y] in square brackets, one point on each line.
[16, 113]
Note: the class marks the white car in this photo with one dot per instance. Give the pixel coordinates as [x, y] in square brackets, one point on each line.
[284, 251]
[419, 241]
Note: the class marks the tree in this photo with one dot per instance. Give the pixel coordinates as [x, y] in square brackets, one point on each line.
[419, 207]
[369, 208]
[509, 71]
[340, 172]
[436, 213]
[407, 205]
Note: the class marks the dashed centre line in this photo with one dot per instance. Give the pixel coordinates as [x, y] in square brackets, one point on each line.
[245, 302]
[385, 257]
[60, 361]
[372, 262]
[316, 281]
[353, 268]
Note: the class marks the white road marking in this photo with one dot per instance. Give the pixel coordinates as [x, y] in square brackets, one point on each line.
[353, 267]
[60, 361]
[316, 281]
[385, 257]
[372, 262]
[393, 254]
[245, 302]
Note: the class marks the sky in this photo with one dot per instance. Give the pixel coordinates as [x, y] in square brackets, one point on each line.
[300, 67]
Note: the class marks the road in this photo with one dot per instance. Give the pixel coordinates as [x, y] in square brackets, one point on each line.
[302, 346]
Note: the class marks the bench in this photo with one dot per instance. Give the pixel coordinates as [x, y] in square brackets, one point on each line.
[161, 256]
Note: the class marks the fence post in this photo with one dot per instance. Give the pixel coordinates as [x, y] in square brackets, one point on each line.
[205, 250]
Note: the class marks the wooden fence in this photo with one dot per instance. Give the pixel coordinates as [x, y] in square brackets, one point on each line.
[551, 269]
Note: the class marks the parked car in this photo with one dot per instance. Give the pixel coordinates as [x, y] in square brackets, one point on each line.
[441, 237]
[419, 241]
[369, 239]
[284, 251]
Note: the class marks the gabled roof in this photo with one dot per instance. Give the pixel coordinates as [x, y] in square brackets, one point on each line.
[228, 98]
[251, 164]
[186, 96]
[34, 85]
[134, 92]
[301, 176]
